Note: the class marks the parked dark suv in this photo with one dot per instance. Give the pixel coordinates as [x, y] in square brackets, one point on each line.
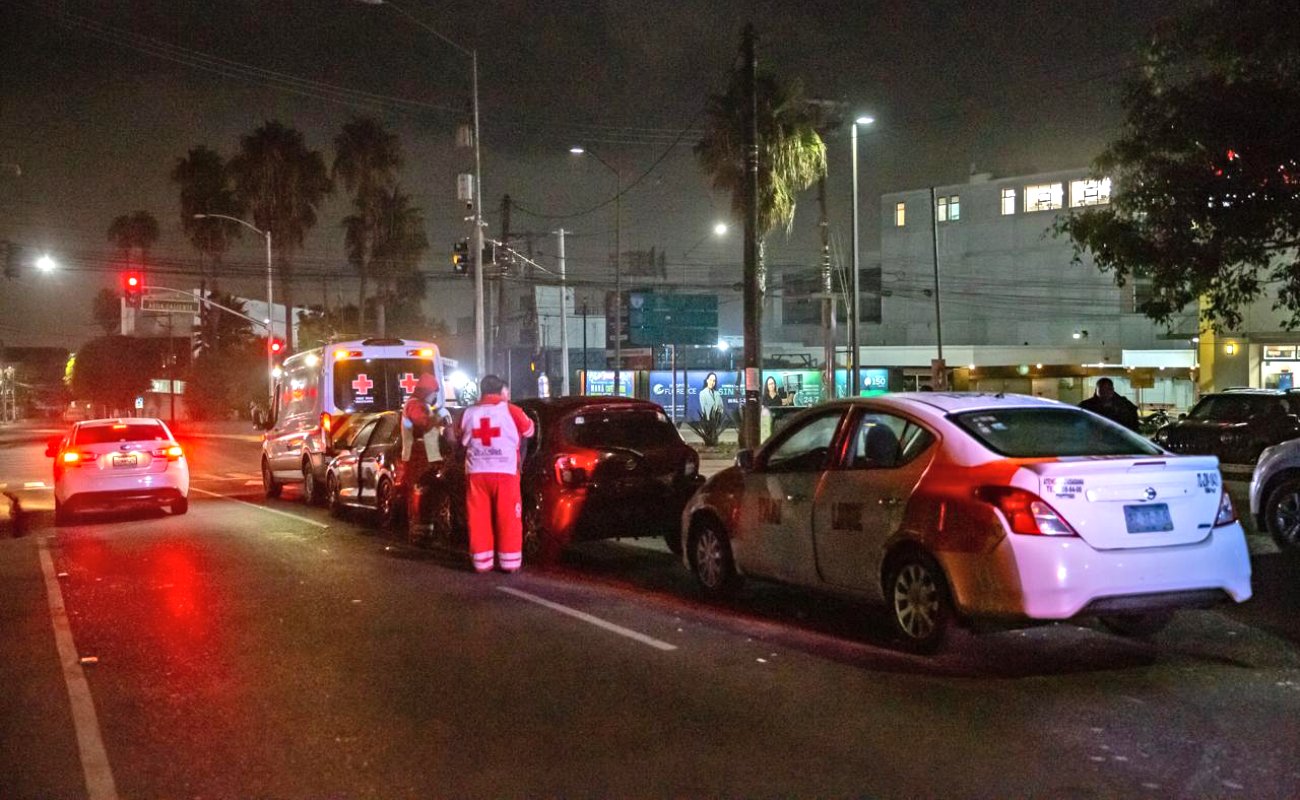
[598, 468]
[1235, 425]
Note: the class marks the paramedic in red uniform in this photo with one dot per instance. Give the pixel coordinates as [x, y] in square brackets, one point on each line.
[491, 432]
[418, 420]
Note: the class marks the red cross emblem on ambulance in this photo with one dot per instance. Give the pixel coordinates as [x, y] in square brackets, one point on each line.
[409, 382]
[362, 384]
[485, 433]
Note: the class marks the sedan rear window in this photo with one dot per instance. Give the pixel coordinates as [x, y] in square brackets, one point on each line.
[637, 430]
[130, 432]
[1045, 432]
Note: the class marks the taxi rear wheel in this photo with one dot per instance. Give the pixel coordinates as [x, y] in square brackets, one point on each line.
[711, 558]
[919, 602]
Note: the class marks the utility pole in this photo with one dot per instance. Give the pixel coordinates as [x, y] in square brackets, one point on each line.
[938, 371]
[828, 292]
[499, 329]
[584, 345]
[479, 339]
[564, 318]
[753, 299]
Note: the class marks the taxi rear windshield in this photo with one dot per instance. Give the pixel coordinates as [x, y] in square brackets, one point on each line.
[131, 432]
[1045, 432]
[638, 430]
[376, 384]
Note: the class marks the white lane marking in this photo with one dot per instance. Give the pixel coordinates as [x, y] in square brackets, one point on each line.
[90, 742]
[34, 485]
[240, 476]
[588, 618]
[307, 520]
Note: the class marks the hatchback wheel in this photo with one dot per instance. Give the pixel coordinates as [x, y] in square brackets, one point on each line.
[386, 505]
[335, 495]
[541, 546]
[711, 558]
[1282, 514]
[311, 489]
[1138, 625]
[920, 606]
[269, 484]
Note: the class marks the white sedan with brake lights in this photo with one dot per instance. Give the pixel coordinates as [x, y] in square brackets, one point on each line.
[110, 463]
[954, 506]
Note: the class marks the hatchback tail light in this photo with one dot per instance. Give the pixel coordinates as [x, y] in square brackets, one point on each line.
[1227, 513]
[1025, 511]
[574, 469]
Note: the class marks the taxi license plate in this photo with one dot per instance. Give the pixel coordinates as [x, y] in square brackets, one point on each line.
[1152, 518]
[123, 461]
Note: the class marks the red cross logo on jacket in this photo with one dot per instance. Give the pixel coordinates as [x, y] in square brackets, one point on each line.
[485, 433]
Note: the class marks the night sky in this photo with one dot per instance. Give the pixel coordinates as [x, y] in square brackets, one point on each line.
[97, 103]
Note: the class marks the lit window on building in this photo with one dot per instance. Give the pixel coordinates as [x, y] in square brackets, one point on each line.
[1089, 192]
[900, 214]
[1044, 197]
[1008, 201]
[948, 208]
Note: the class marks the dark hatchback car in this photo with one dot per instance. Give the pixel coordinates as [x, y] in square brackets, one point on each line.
[598, 468]
[1236, 425]
[363, 473]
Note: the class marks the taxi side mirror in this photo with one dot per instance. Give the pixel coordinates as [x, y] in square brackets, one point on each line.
[52, 447]
[745, 459]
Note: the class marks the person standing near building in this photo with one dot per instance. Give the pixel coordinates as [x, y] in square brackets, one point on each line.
[492, 431]
[1112, 405]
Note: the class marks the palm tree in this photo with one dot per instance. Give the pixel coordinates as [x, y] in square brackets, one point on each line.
[366, 160]
[791, 154]
[282, 183]
[205, 188]
[397, 245]
[134, 234]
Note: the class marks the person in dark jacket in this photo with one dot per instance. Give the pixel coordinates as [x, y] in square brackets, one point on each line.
[1112, 405]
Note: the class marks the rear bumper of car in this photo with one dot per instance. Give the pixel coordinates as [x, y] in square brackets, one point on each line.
[597, 513]
[159, 488]
[1052, 578]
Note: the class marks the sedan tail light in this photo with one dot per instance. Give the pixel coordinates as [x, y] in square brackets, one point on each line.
[574, 469]
[72, 458]
[171, 453]
[1227, 513]
[1025, 511]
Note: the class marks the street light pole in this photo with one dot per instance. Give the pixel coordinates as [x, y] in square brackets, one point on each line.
[618, 266]
[564, 318]
[480, 331]
[270, 313]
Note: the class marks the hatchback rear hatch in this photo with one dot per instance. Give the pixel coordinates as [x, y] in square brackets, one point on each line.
[1114, 488]
[634, 446]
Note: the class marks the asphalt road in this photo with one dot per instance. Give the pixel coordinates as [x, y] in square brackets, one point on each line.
[254, 648]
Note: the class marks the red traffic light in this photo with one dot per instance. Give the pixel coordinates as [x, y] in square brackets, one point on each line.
[276, 345]
[133, 288]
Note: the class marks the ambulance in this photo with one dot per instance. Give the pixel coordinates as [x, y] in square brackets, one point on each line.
[317, 390]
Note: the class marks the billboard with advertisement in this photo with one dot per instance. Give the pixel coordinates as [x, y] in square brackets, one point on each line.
[804, 386]
[874, 381]
[602, 382]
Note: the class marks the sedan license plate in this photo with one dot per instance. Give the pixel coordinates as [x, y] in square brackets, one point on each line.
[1152, 518]
[123, 461]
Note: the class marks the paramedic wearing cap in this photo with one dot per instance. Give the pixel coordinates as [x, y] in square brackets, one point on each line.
[421, 423]
[491, 432]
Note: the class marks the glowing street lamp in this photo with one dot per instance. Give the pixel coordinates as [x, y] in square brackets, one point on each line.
[46, 264]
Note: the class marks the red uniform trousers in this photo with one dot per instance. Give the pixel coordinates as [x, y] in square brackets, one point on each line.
[493, 504]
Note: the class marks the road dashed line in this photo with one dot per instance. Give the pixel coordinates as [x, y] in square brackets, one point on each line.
[267, 509]
[589, 619]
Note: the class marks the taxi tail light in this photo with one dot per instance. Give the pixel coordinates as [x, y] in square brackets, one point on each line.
[574, 469]
[1026, 512]
[1227, 512]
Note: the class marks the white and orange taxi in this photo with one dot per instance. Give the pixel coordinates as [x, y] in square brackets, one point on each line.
[107, 464]
[954, 507]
